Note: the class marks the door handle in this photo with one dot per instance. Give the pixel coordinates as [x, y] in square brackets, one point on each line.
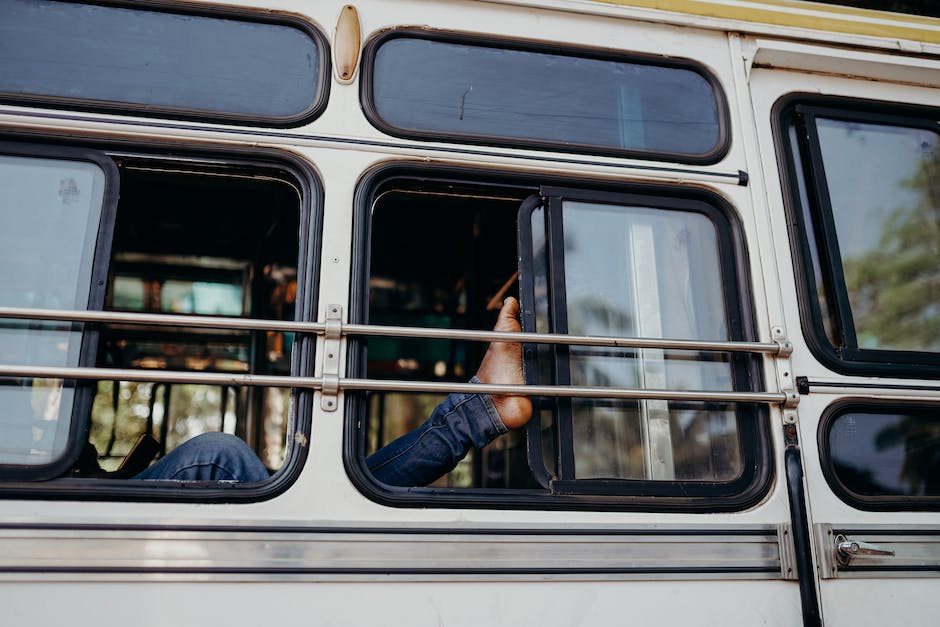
[846, 549]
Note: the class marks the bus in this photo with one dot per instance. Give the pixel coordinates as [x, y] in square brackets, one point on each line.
[291, 226]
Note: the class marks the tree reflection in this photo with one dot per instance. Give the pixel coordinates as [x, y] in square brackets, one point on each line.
[895, 288]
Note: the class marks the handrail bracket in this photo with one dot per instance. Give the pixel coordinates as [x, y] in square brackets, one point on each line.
[785, 378]
[331, 346]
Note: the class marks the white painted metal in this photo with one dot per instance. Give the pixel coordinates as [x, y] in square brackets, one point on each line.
[152, 563]
[782, 68]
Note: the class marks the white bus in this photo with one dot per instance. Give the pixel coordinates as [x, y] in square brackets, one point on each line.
[293, 223]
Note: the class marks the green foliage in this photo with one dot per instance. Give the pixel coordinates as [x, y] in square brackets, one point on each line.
[895, 290]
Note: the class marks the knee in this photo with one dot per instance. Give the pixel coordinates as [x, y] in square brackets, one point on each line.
[215, 446]
[229, 455]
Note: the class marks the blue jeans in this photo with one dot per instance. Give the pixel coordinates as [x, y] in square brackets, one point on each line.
[461, 422]
[209, 457]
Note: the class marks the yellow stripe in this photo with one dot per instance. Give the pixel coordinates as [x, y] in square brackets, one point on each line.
[837, 19]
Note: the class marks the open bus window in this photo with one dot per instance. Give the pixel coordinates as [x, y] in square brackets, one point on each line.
[863, 182]
[204, 243]
[651, 266]
[456, 280]
[195, 238]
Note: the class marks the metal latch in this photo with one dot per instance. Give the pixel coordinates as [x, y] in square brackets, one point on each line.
[330, 372]
[846, 549]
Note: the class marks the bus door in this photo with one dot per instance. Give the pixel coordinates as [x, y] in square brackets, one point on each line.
[851, 172]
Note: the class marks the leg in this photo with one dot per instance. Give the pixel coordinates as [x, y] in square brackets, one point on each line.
[209, 457]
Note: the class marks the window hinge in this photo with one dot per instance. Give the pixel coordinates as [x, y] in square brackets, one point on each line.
[330, 371]
[785, 376]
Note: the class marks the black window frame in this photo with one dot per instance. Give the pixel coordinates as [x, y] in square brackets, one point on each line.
[804, 166]
[367, 100]
[84, 391]
[646, 496]
[883, 503]
[310, 210]
[742, 366]
[315, 109]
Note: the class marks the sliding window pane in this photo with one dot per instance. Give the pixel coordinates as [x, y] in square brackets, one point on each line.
[49, 214]
[655, 273]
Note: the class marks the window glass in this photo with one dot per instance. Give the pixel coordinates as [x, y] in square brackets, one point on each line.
[636, 271]
[49, 215]
[865, 202]
[54, 51]
[883, 190]
[882, 452]
[424, 86]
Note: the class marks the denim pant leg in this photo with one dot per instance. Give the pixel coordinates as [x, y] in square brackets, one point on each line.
[461, 422]
[209, 457]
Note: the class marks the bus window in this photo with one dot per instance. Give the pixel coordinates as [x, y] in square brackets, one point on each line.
[52, 204]
[202, 65]
[673, 276]
[865, 197]
[187, 238]
[191, 242]
[883, 456]
[505, 93]
[646, 267]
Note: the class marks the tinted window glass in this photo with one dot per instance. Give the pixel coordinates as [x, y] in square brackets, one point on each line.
[425, 87]
[887, 453]
[49, 214]
[125, 56]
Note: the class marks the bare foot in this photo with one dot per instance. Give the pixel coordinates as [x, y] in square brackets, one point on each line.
[502, 364]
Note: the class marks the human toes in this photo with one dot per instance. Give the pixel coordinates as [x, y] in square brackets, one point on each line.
[508, 318]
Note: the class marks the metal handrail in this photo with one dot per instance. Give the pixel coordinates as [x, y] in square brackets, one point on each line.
[387, 385]
[319, 328]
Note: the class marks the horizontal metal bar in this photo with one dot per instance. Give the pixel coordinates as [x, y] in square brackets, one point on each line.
[390, 553]
[563, 391]
[159, 376]
[316, 383]
[365, 330]
[886, 392]
[168, 320]
[575, 340]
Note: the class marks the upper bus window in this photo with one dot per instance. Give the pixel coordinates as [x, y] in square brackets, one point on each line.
[50, 209]
[66, 54]
[437, 87]
[866, 185]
